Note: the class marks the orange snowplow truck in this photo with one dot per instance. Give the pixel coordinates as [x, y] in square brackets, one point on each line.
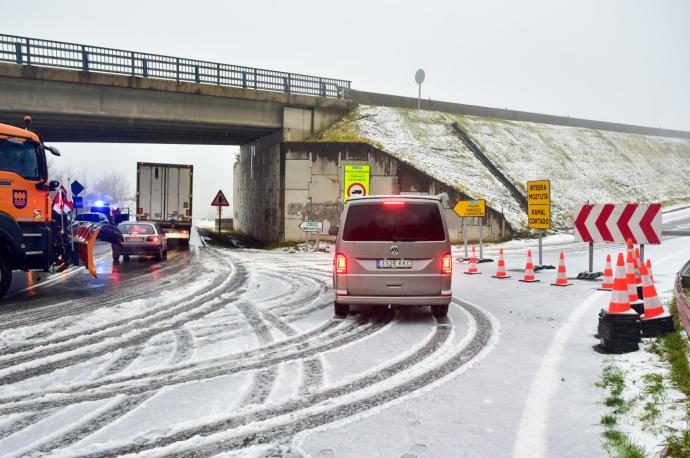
[30, 238]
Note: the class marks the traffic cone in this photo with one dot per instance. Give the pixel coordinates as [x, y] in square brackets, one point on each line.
[649, 269]
[501, 268]
[561, 278]
[472, 270]
[636, 264]
[620, 302]
[633, 297]
[619, 326]
[529, 270]
[608, 276]
[656, 320]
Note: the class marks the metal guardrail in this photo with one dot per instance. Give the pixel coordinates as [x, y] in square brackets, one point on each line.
[47, 53]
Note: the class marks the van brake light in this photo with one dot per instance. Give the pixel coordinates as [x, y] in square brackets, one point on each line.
[446, 264]
[393, 203]
[340, 263]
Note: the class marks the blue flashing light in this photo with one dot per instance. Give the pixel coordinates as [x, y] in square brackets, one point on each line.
[99, 203]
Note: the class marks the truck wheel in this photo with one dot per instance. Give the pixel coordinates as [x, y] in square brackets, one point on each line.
[439, 311]
[5, 274]
[159, 256]
[341, 309]
[165, 254]
[116, 258]
[125, 257]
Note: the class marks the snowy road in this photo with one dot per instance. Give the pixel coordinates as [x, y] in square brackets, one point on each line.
[237, 352]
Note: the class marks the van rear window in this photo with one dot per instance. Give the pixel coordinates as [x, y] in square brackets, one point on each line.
[408, 222]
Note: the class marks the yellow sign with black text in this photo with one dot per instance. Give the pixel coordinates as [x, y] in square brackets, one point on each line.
[539, 204]
[470, 208]
[356, 181]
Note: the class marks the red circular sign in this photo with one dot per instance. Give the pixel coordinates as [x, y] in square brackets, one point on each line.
[356, 189]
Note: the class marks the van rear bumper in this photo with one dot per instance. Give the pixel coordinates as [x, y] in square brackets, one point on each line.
[393, 300]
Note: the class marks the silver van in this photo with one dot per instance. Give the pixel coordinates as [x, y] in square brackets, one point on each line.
[392, 250]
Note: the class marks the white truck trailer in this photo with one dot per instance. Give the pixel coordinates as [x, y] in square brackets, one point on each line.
[164, 195]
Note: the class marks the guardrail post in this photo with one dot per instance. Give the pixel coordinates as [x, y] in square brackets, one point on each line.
[322, 88]
[255, 84]
[218, 73]
[28, 51]
[196, 74]
[132, 59]
[286, 83]
[84, 59]
[244, 80]
[177, 69]
[18, 52]
[145, 67]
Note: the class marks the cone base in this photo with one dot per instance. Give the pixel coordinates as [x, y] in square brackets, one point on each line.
[637, 306]
[529, 281]
[657, 326]
[561, 284]
[500, 278]
[472, 273]
[619, 332]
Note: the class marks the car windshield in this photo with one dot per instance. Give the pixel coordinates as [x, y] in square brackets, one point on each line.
[19, 156]
[400, 221]
[89, 217]
[134, 229]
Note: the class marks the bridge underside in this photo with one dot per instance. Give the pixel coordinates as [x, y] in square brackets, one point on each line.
[90, 129]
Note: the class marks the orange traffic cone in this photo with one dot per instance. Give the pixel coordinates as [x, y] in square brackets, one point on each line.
[620, 303]
[529, 270]
[649, 269]
[608, 276]
[636, 264]
[633, 297]
[561, 278]
[652, 304]
[501, 268]
[472, 270]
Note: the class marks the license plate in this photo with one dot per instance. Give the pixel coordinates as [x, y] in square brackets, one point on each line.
[135, 239]
[393, 263]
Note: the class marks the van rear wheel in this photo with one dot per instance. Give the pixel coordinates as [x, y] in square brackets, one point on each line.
[5, 273]
[439, 311]
[341, 309]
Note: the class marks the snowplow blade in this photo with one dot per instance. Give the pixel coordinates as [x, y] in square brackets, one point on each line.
[86, 236]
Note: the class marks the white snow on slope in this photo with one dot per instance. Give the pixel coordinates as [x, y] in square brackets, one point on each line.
[582, 164]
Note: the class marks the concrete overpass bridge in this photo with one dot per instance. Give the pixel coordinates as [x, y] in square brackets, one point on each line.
[79, 93]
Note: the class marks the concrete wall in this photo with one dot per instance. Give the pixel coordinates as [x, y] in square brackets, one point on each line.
[314, 187]
[396, 101]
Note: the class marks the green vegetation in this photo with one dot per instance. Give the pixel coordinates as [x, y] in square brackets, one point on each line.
[345, 130]
[619, 445]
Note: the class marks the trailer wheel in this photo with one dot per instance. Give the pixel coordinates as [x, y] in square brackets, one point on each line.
[5, 273]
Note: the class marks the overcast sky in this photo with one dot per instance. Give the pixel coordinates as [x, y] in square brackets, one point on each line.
[622, 61]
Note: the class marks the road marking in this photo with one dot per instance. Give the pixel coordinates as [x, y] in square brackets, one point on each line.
[532, 434]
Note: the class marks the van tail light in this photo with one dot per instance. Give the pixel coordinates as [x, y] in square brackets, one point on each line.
[446, 264]
[152, 238]
[340, 263]
[393, 203]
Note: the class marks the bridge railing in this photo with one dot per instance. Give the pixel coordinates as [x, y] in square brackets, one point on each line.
[48, 53]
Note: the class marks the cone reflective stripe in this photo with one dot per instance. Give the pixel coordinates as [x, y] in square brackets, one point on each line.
[620, 302]
[636, 264]
[607, 285]
[561, 277]
[472, 270]
[529, 270]
[501, 268]
[652, 304]
[630, 275]
[649, 270]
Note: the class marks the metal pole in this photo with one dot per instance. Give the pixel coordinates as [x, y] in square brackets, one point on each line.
[219, 207]
[481, 238]
[306, 241]
[419, 97]
[641, 252]
[591, 256]
[464, 235]
[541, 234]
[317, 242]
[71, 226]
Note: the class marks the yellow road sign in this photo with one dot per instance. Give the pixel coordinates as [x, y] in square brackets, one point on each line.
[539, 204]
[356, 181]
[469, 208]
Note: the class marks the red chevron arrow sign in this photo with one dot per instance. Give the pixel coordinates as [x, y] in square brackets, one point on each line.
[618, 223]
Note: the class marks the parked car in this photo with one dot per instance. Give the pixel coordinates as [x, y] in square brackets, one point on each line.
[392, 250]
[91, 217]
[681, 288]
[142, 239]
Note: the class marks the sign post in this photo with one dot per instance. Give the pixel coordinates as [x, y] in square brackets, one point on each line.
[539, 212]
[220, 201]
[356, 181]
[472, 209]
[308, 227]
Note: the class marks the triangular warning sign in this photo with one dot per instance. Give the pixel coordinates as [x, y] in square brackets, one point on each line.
[220, 200]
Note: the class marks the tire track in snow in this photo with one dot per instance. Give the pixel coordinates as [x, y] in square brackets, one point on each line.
[184, 345]
[312, 372]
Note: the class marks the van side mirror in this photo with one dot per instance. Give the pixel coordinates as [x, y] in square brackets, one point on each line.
[333, 230]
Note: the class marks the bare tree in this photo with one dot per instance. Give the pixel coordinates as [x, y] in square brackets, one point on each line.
[113, 185]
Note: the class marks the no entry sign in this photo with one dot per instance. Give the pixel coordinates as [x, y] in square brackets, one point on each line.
[618, 222]
[356, 181]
